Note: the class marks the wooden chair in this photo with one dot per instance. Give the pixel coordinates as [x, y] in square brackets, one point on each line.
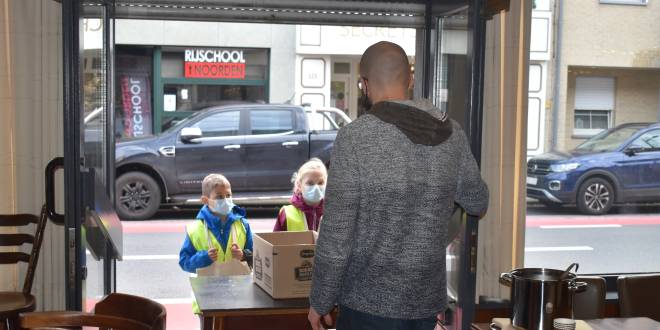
[590, 303]
[638, 296]
[132, 307]
[49, 320]
[13, 303]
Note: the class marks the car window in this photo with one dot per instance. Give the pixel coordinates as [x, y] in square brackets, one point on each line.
[320, 121]
[609, 140]
[648, 140]
[220, 124]
[271, 121]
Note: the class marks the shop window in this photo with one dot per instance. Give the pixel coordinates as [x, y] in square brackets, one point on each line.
[342, 68]
[191, 97]
[271, 121]
[221, 124]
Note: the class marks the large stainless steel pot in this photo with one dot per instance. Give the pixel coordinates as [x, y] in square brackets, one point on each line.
[539, 295]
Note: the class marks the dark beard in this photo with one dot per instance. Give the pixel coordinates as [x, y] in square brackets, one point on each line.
[364, 104]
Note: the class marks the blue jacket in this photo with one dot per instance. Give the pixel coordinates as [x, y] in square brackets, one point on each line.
[190, 259]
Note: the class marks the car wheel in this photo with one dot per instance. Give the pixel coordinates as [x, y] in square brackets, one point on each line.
[138, 196]
[595, 196]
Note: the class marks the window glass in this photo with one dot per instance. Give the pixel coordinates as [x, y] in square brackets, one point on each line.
[271, 121]
[648, 140]
[220, 124]
[609, 140]
[592, 119]
[189, 97]
[320, 121]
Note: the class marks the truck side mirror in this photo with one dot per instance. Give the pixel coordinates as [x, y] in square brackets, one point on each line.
[189, 134]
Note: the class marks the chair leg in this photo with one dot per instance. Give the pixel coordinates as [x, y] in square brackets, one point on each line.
[13, 323]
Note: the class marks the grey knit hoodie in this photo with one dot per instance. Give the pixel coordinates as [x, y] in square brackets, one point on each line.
[381, 246]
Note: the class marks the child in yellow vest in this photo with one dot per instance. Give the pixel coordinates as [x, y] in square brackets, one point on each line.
[220, 231]
[306, 209]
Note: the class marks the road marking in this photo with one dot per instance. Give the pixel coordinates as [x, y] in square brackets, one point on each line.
[152, 257]
[558, 248]
[169, 301]
[580, 226]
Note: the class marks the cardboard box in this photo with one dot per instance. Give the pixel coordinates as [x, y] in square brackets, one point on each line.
[283, 263]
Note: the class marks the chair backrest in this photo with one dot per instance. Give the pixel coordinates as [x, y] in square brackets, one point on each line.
[135, 308]
[638, 296]
[19, 220]
[51, 320]
[590, 303]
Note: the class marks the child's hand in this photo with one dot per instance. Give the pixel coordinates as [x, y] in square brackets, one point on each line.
[236, 252]
[213, 254]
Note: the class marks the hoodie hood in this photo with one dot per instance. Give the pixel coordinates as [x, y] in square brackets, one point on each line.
[419, 120]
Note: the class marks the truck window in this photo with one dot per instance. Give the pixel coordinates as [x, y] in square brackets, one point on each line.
[271, 121]
[321, 121]
[220, 124]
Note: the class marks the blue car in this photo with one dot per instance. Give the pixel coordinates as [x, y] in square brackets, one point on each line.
[618, 166]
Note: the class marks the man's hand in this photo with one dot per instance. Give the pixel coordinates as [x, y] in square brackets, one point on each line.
[236, 252]
[315, 319]
[213, 254]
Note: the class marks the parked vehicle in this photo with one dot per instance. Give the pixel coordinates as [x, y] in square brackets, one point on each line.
[257, 146]
[620, 165]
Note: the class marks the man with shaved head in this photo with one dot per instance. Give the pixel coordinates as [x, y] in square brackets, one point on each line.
[396, 174]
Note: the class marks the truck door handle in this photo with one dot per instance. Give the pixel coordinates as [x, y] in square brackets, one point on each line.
[232, 147]
[290, 144]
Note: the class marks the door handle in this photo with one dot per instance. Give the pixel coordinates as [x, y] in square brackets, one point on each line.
[54, 165]
[232, 147]
[290, 144]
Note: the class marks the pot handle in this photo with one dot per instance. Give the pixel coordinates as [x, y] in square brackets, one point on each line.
[506, 279]
[577, 286]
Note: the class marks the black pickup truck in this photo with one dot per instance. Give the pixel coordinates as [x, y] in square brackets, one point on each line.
[256, 146]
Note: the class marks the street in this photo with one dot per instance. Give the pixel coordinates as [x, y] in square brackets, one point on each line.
[626, 239]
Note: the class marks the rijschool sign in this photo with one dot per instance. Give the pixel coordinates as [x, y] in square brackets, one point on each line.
[214, 63]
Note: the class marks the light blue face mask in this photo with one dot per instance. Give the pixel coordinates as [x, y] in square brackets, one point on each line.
[313, 194]
[223, 206]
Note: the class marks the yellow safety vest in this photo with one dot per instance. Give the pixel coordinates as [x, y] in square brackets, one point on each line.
[295, 218]
[200, 237]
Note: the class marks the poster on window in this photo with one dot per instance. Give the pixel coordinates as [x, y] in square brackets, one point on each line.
[136, 105]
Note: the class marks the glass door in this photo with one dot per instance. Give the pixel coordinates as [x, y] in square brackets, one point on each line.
[93, 232]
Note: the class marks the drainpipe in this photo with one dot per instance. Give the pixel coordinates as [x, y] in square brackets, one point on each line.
[557, 76]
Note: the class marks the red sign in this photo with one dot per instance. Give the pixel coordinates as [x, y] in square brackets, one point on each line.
[136, 102]
[216, 70]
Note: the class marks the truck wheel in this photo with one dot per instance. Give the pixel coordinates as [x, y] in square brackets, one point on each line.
[595, 196]
[138, 196]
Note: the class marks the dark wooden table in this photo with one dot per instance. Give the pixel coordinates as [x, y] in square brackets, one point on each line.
[624, 323]
[224, 297]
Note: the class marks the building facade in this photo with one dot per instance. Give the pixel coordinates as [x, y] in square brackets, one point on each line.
[609, 67]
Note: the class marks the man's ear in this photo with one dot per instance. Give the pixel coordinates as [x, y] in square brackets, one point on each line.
[204, 199]
[411, 81]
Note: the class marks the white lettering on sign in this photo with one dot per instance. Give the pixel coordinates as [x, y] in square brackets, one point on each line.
[136, 104]
[214, 56]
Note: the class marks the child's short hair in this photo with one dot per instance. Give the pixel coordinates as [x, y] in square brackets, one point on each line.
[313, 164]
[212, 181]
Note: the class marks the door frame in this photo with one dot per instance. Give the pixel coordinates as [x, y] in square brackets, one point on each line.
[78, 180]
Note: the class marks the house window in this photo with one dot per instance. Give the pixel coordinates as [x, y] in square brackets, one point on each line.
[625, 2]
[594, 103]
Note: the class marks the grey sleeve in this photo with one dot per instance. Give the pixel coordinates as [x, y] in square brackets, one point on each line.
[336, 232]
[471, 190]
